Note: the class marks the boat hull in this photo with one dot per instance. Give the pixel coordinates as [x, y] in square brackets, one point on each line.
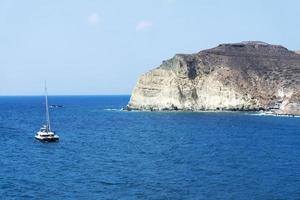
[47, 139]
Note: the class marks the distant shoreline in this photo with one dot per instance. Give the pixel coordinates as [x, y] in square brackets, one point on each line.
[255, 113]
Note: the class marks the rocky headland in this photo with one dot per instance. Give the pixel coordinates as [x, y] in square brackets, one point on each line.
[246, 76]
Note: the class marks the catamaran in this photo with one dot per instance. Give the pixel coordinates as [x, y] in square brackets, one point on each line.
[45, 134]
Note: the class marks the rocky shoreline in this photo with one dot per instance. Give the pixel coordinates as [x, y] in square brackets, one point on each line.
[255, 112]
[246, 76]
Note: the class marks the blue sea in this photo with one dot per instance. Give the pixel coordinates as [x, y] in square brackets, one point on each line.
[106, 153]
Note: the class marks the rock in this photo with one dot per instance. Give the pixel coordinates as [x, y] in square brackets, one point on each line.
[246, 76]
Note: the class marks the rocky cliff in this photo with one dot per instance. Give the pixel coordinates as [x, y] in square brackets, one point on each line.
[246, 76]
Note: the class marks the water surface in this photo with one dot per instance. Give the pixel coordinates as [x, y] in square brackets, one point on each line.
[105, 153]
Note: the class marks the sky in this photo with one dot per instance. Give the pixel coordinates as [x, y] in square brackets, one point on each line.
[97, 47]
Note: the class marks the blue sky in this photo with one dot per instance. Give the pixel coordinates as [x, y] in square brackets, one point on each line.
[102, 47]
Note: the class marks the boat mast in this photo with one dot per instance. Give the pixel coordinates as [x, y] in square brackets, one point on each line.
[47, 110]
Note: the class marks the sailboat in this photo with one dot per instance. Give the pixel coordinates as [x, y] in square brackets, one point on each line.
[45, 134]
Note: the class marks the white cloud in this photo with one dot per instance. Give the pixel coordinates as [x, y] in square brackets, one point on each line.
[93, 19]
[143, 25]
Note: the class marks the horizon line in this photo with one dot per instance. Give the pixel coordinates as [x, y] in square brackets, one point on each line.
[38, 95]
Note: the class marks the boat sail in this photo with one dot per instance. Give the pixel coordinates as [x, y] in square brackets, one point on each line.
[45, 134]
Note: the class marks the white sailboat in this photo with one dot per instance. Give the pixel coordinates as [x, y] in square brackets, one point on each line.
[45, 134]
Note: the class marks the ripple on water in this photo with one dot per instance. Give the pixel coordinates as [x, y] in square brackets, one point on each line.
[106, 154]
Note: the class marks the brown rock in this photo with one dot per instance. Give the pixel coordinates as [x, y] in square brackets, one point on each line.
[245, 76]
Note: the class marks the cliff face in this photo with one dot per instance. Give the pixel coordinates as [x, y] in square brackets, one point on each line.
[246, 76]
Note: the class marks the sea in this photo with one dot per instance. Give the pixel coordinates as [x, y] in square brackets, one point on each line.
[107, 153]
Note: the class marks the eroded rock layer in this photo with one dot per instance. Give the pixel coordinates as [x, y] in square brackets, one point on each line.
[246, 76]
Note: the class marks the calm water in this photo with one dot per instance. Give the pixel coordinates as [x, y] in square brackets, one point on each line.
[111, 154]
